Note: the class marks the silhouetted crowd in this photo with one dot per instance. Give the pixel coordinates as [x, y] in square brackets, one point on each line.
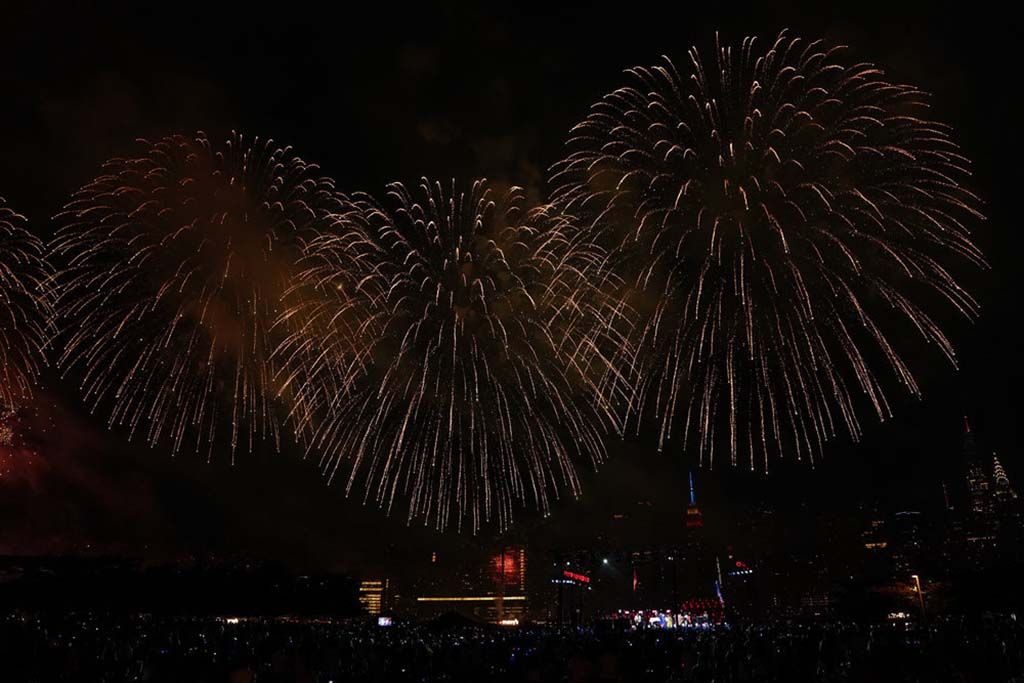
[96, 648]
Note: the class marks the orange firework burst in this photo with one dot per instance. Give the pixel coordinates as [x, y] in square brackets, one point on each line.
[785, 217]
[458, 349]
[25, 309]
[173, 264]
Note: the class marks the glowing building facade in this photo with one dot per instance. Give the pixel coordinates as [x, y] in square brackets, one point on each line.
[373, 595]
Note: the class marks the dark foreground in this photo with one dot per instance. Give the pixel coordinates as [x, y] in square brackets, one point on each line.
[92, 648]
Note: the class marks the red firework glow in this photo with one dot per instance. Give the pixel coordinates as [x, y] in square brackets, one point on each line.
[19, 460]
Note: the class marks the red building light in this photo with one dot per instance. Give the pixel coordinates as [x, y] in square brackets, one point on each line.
[582, 578]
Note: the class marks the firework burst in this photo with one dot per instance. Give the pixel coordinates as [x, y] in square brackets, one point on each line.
[25, 310]
[458, 349]
[172, 267]
[786, 218]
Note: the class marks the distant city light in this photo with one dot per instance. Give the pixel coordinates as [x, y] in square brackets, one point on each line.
[473, 598]
[582, 578]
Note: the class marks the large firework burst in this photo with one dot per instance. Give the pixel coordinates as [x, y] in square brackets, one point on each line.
[24, 308]
[787, 217]
[457, 349]
[173, 264]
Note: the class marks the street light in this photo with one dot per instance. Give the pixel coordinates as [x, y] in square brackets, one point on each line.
[920, 598]
[604, 561]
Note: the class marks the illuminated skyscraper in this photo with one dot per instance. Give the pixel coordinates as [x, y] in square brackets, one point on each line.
[907, 541]
[878, 550]
[951, 550]
[489, 587]
[694, 518]
[694, 567]
[978, 488]
[372, 595]
[506, 570]
[1002, 491]
[1010, 520]
[981, 520]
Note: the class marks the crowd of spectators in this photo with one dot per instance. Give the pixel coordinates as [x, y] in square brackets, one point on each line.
[92, 647]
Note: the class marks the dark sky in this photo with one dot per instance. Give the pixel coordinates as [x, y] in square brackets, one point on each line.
[395, 94]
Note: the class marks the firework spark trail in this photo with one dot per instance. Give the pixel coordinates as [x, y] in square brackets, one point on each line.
[461, 352]
[25, 308]
[330, 316]
[172, 267]
[785, 218]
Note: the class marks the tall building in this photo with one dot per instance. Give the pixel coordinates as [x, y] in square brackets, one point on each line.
[646, 564]
[1010, 521]
[490, 588]
[907, 542]
[1002, 492]
[878, 552]
[951, 548]
[373, 594]
[981, 522]
[506, 571]
[978, 488]
[694, 518]
[993, 524]
[695, 569]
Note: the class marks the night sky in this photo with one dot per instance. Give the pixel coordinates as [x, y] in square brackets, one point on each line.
[396, 94]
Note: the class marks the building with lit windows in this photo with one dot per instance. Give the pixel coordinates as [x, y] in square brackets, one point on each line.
[494, 590]
[373, 594]
[907, 537]
[980, 524]
[1002, 491]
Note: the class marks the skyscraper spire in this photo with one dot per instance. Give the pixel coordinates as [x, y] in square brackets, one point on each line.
[694, 518]
[970, 448]
[982, 523]
[998, 473]
[1003, 491]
